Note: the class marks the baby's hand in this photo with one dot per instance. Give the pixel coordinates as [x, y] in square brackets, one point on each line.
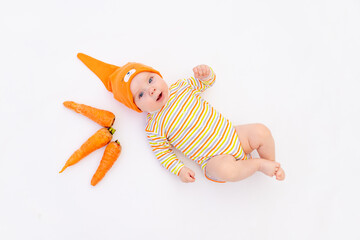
[187, 175]
[202, 72]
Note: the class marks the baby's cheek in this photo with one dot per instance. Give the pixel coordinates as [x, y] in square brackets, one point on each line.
[137, 103]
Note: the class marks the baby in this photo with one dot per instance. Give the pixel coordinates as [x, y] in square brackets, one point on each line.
[178, 117]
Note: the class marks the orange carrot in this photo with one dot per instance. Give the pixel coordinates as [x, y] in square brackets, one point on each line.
[102, 117]
[96, 141]
[111, 154]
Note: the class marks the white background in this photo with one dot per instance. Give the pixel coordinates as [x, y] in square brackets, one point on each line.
[291, 65]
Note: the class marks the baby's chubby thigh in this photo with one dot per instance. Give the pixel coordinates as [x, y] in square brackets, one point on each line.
[221, 168]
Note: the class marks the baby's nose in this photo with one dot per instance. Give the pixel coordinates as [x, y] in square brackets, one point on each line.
[152, 90]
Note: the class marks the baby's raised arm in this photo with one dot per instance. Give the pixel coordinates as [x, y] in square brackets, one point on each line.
[202, 72]
[204, 77]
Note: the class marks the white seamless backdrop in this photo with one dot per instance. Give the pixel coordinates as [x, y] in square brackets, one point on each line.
[291, 65]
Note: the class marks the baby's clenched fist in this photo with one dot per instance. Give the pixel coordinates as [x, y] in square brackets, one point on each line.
[187, 175]
[202, 72]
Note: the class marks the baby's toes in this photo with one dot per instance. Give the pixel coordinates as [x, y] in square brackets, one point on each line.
[280, 174]
[268, 167]
[277, 167]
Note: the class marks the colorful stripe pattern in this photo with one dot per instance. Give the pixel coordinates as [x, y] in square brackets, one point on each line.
[190, 124]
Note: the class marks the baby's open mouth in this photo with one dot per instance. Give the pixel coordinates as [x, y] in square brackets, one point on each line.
[159, 97]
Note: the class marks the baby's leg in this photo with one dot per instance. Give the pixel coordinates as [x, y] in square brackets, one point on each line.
[227, 168]
[257, 137]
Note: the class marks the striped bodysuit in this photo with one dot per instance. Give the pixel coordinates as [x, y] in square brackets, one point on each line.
[192, 125]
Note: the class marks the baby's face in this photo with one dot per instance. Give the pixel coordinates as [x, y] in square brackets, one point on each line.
[150, 91]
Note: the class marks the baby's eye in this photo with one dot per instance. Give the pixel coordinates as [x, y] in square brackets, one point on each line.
[141, 94]
[150, 80]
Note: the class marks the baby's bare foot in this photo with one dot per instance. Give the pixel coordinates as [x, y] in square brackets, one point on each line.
[280, 174]
[269, 167]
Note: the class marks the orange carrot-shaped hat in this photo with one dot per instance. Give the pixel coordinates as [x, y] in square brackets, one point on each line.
[117, 79]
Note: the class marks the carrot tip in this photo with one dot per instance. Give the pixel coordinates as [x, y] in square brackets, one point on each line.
[63, 169]
[94, 182]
